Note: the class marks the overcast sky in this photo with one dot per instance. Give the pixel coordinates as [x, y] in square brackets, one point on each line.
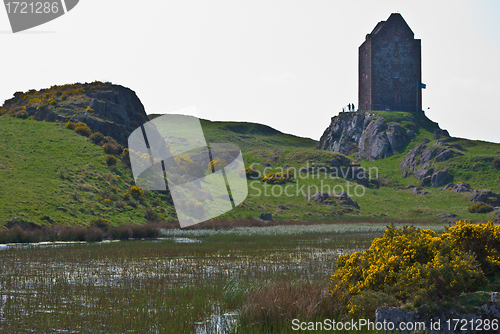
[288, 64]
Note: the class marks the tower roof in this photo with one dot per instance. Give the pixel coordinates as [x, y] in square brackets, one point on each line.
[394, 18]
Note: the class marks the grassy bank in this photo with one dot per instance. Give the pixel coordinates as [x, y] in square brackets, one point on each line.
[50, 175]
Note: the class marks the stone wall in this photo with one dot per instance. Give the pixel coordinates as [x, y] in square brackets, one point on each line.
[390, 67]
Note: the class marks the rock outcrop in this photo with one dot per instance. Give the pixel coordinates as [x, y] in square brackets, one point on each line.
[266, 216]
[420, 161]
[436, 322]
[346, 200]
[113, 110]
[116, 111]
[342, 198]
[445, 215]
[438, 133]
[485, 196]
[459, 188]
[370, 135]
[441, 178]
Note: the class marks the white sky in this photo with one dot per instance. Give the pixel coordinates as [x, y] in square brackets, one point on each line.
[288, 64]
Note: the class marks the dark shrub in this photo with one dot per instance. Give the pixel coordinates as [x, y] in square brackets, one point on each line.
[496, 162]
[120, 232]
[22, 114]
[96, 137]
[101, 223]
[112, 148]
[17, 235]
[125, 156]
[147, 231]
[480, 208]
[94, 234]
[152, 216]
[110, 140]
[73, 234]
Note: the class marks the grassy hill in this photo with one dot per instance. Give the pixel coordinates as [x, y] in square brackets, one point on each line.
[248, 136]
[262, 145]
[51, 175]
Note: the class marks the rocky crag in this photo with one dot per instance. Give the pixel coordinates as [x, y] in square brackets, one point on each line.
[374, 135]
[446, 321]
[420, 160]
[113, 110]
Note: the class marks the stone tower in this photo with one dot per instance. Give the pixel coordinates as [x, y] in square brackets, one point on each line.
[390, 68]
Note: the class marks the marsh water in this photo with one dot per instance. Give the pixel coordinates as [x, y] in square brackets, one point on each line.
[176, 284]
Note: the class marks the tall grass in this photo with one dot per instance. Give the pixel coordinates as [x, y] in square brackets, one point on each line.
[17, 234]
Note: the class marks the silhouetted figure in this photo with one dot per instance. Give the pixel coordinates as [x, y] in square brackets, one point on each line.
[353, 108]
[349, 107]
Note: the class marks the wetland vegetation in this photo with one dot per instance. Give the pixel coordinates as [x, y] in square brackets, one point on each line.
[179, 283]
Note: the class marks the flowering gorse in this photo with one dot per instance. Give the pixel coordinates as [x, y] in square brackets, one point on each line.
[414, 265]
[278, 178]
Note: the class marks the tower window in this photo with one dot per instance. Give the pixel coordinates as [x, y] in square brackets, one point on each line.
[396, 74]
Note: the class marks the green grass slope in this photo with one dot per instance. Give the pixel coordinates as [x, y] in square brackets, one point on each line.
[248, 136]
[471, 163]
[474, 165]
[51, 175]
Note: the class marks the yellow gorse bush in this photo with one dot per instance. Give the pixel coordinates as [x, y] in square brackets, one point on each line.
[135, 192]
[34, 101]
[217, 164]
[73, 125]
[110, 160]
[481, 239]
[181, 160]
[185, 166]
[83, 130]
[278, 178]
[79, 127]
[411, 264]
